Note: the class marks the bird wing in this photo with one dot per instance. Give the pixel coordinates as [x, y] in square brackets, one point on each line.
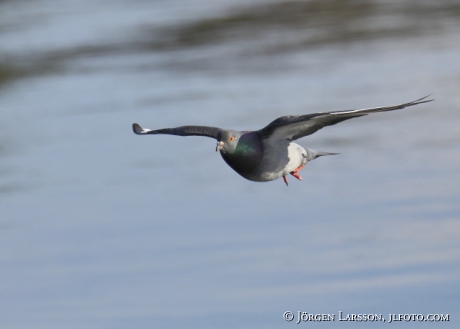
[293, 127]
[179, 131]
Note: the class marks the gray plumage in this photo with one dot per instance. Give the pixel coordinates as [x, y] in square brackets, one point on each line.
[269, 153]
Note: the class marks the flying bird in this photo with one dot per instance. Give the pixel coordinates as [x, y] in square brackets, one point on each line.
[269, 153]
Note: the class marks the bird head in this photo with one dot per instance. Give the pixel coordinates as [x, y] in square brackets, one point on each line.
[227, 140]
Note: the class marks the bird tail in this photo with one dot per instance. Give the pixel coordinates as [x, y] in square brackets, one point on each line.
[320, 154]
[312, 154]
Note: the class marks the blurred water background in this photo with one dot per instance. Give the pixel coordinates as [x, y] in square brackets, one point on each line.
[100, 228]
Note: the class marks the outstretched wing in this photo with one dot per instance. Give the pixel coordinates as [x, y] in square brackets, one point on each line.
[293, 127]
[179, 131]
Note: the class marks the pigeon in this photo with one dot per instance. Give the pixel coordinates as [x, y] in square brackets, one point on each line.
[269, 153]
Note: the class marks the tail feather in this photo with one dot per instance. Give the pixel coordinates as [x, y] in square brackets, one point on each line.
[320, 154]
[312, 154]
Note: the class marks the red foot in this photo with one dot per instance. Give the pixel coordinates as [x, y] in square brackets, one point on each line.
[295, 172]
[285, 180]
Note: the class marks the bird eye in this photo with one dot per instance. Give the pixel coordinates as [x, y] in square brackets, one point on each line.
[231, 139]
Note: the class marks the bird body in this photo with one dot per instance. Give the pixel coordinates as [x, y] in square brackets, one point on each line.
[269, 153]
[261, 162]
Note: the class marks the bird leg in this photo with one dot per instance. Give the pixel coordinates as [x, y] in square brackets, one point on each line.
[295, 172]
[285, 180]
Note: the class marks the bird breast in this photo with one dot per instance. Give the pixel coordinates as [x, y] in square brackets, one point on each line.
[247, 156]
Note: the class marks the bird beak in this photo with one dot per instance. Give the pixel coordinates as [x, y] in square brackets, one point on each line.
[219, 146]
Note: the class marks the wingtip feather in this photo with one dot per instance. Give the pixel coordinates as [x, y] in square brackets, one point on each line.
[139, 130]
[422, 100]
